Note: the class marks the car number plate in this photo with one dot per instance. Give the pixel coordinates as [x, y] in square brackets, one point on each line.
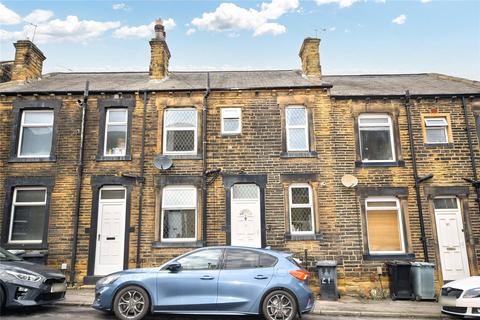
[447, 301]
[59, 287]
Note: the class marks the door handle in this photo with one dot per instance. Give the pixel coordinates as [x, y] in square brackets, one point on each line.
[207, 277]
[261, 277]
[98, 237]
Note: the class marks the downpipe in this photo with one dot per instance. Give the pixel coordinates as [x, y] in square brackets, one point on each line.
[204, 159]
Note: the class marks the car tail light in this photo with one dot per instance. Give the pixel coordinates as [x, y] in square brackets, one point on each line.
[301, 275]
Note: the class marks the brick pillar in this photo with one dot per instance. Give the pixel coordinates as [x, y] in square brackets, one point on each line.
[310, 56]
[28, 62]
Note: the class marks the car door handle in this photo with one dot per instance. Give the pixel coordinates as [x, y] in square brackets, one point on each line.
[261, 277]
[207, 278]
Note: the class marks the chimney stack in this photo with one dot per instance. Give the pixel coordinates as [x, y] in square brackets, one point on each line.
[28, 62]
[310, 56]
[160, 55]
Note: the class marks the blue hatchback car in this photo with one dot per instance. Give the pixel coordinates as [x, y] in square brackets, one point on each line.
[208, 281]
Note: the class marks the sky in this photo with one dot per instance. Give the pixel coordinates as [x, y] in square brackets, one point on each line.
[358, 36]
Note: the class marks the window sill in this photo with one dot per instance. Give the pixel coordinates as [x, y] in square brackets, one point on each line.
[361, 164]
[302, 237]
[28, 160]
[184, 156]
[113, 158]
[25, 246]
[292, 154]
[385, 257]
[189, 244]
[228, 135]
[439, 145]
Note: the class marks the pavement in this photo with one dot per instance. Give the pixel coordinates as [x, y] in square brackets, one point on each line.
[345, 307]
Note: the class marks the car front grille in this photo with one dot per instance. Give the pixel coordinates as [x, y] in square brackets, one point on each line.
[50, 296]
[51, 281]
[451, 292]
[455, 309]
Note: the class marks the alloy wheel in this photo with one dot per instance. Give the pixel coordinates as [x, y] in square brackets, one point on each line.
[280, 307]
[131, 304]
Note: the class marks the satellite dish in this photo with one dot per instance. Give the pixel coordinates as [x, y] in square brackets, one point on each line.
[349, 181]
[162, 162]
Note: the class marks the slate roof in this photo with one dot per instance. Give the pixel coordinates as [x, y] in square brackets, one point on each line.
[342, 85]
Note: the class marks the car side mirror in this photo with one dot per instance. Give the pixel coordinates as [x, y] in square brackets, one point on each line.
[174, 267]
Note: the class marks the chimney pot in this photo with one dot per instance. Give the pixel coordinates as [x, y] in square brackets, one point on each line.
[160, 54]
[310, 57]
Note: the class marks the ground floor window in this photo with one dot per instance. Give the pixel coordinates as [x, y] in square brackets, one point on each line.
[384, 225]
[301, 209]
[27, 221]
[179, 213]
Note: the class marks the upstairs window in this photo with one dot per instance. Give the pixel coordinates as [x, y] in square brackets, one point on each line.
[376, 138]
[436, 130]
[301, 209]
[384, 225]
[180, 131]
[231, 121]
[116, 124]
[36, 132]
[179, 213]
[27, 221]
[297, 128]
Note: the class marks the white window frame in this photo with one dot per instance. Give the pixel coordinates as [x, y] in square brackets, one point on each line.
[34, 125]
[237, 115]
[163, 208]
[24, 204]
[301, 205]
[108, 123]
[399, 217]
[165, 130]
[444, 126]
[449, 210]
[390, 130]
[305, 127]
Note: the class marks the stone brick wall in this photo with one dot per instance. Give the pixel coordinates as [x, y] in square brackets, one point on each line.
[258, 150]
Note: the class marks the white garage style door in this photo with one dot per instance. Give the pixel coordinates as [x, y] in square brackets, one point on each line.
[245, 216]
[451, 238]
[109, 253]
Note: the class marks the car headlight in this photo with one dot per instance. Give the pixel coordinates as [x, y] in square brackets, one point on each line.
[472, 293]
[24, 276]
[108, 280]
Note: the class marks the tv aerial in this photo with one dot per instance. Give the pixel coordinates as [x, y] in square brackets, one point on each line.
[162, 162]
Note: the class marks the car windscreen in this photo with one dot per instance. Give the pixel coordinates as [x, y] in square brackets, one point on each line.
[7, 256]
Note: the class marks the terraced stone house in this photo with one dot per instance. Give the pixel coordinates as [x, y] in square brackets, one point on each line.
[257, 159]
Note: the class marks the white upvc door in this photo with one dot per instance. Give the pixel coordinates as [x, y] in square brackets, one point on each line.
[110, 247]
[245, 216]
[451, 242]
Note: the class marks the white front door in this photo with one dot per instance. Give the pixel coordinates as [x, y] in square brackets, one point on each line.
[451, 239]
[109, 253]
[245, 216]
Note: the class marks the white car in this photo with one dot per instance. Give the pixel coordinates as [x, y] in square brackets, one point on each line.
[461, 297]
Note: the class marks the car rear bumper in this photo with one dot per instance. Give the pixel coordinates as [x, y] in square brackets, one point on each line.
[23, 294]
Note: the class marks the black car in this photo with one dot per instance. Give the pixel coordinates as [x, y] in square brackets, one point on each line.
[24, 283]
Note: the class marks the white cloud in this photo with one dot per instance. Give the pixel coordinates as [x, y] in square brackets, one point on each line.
[229, 17]
[341, 3]
[332, 29]
[70, 29]
[120, 6]
[38, 16]
[400, 19]
[8, 16]
[425, 1]
[190, 31]
[142, 31]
